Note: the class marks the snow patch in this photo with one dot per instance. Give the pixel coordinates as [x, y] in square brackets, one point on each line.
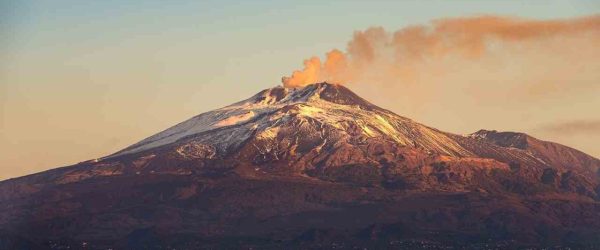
[195, 150]
[269, 133]
[309, 111]
[232, 120]
[368, 131]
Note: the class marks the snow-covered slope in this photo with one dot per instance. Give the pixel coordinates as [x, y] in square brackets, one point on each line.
[554, 154]
[278, 167]
[325, 106]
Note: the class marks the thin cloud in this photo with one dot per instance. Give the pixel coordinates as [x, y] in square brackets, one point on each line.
[584, 127]
[401, 56]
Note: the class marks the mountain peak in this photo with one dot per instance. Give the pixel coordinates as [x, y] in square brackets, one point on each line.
[316, 109]
[560, 156]
[308, 160]
[323, 91]
[325, 115]
[503, 139]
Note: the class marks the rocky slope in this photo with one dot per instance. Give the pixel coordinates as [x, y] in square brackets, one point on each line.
[554, 154]
[311, 167]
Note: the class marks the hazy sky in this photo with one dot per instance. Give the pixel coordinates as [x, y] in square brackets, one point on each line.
[83, 79]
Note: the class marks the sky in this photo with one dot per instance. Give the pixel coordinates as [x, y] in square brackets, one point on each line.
[83, 79]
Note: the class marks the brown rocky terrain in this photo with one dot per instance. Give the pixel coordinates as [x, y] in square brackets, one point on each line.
[316, 167]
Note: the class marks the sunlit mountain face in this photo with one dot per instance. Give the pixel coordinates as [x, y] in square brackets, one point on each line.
[314, 166]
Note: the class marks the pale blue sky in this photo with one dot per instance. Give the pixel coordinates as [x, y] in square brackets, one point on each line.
[267, 38]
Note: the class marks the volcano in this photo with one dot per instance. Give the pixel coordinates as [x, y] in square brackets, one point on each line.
[311, 167]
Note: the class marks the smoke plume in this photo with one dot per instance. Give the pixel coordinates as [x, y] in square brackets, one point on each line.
[414, 54]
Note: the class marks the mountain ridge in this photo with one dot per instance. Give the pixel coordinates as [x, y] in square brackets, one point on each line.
[313, 167]
[305, 100]
[546, 150]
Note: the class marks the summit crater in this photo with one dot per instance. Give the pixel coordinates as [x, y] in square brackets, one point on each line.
[310, 167]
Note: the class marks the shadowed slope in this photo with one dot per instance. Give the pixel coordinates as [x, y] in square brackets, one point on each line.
[315, 167]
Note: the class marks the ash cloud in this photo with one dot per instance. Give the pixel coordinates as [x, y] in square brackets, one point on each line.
[533, 56]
